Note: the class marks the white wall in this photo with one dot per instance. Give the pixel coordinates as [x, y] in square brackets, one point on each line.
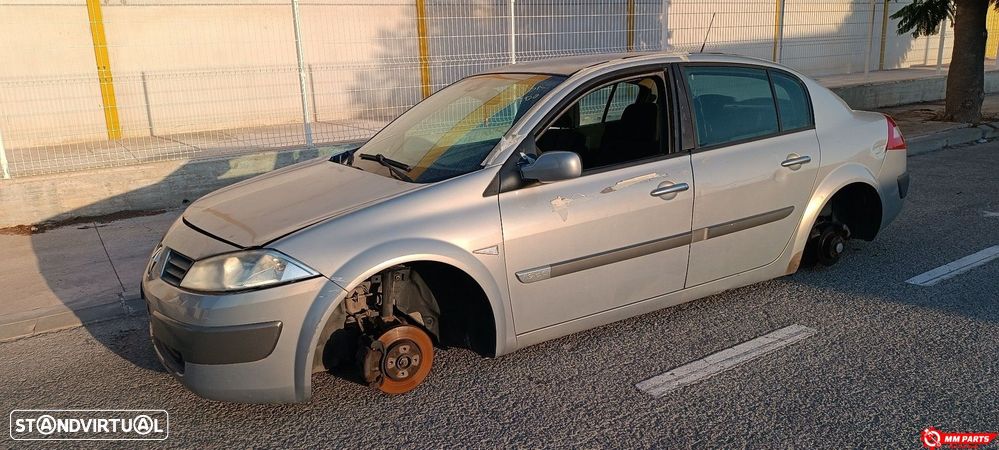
[184, 67]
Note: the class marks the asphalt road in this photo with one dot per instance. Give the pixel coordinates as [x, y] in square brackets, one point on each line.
[888, 360]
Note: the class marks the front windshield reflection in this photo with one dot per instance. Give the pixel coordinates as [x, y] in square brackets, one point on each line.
[451, 132]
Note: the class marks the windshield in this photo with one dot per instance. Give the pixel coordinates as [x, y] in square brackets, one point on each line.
[451, 132]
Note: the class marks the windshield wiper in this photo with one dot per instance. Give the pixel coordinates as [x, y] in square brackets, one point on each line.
[397, 168]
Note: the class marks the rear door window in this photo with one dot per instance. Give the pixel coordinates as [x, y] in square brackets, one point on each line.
[730, 103]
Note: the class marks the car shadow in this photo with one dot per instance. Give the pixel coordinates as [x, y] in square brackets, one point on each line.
[129, 237]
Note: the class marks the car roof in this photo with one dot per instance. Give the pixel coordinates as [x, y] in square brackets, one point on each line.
[565, 65]
[569, 65]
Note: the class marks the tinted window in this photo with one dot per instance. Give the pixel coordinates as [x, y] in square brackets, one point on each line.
[731, 103]
[792, 100]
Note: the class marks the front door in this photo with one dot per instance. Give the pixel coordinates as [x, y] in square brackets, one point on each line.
[616, 235]
[755, 164]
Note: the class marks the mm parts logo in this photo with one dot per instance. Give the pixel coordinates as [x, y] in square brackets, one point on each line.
[933, 438]
[89, 424]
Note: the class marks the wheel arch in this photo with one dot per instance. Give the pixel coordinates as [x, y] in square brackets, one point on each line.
[851, 174]
[372, 261]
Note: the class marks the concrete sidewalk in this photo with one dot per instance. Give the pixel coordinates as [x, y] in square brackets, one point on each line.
[75, 274]
[923, 132]
[82, 273]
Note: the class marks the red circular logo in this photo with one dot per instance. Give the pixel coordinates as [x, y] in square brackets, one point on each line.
[930, 438]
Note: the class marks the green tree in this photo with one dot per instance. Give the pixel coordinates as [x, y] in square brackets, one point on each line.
[966, 75]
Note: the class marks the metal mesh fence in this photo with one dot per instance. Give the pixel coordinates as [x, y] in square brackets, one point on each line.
[89, 83]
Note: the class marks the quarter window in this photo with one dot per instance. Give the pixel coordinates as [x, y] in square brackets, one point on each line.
[792, 101]
[731, 104]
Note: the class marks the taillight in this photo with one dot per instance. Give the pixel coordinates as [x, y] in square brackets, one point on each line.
[895, 139]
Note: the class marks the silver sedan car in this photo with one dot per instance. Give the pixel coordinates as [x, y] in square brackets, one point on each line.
[513, 207]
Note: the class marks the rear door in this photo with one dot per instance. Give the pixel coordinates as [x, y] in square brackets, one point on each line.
[755, 162]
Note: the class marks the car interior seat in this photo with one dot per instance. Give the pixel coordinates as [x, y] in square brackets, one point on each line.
[715, 107]
[563, 136]
[633, 137]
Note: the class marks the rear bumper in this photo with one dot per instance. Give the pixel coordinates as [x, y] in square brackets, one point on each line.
[903, 185]
[893, 185]
[892, 194]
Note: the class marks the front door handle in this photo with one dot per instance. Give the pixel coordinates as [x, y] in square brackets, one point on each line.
[669, 189]
[794, 161]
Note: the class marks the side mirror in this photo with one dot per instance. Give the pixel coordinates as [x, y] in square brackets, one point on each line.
[553, 166]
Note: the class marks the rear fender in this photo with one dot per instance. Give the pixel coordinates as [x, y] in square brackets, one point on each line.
[826, 188]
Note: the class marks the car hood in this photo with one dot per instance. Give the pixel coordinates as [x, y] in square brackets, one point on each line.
[259, 210]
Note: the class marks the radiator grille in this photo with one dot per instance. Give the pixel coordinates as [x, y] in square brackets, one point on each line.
[175, 266]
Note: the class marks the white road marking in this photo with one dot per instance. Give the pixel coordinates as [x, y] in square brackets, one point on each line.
[955, 268]
[716, 363]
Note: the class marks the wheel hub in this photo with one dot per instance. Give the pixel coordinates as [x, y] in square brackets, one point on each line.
[402, 360]
[399, 360]
[831, 243]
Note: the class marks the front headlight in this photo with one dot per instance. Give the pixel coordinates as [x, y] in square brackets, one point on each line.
[154, 259]
[244, 270]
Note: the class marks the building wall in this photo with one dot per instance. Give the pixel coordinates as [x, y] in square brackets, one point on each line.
[189, 67]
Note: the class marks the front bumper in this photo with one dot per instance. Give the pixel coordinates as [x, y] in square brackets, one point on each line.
[241, 347]
[183, 343]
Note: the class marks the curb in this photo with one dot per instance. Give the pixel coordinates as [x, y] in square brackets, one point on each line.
[951, 138]
[57, 318]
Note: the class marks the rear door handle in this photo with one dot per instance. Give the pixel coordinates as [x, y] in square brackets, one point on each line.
[670, 189]
[795, 160]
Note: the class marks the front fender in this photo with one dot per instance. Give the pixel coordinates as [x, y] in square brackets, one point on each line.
[830, 184]
[376, 259]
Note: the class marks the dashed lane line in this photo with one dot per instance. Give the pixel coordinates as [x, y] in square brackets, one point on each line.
[955, 268]
[719, 362]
